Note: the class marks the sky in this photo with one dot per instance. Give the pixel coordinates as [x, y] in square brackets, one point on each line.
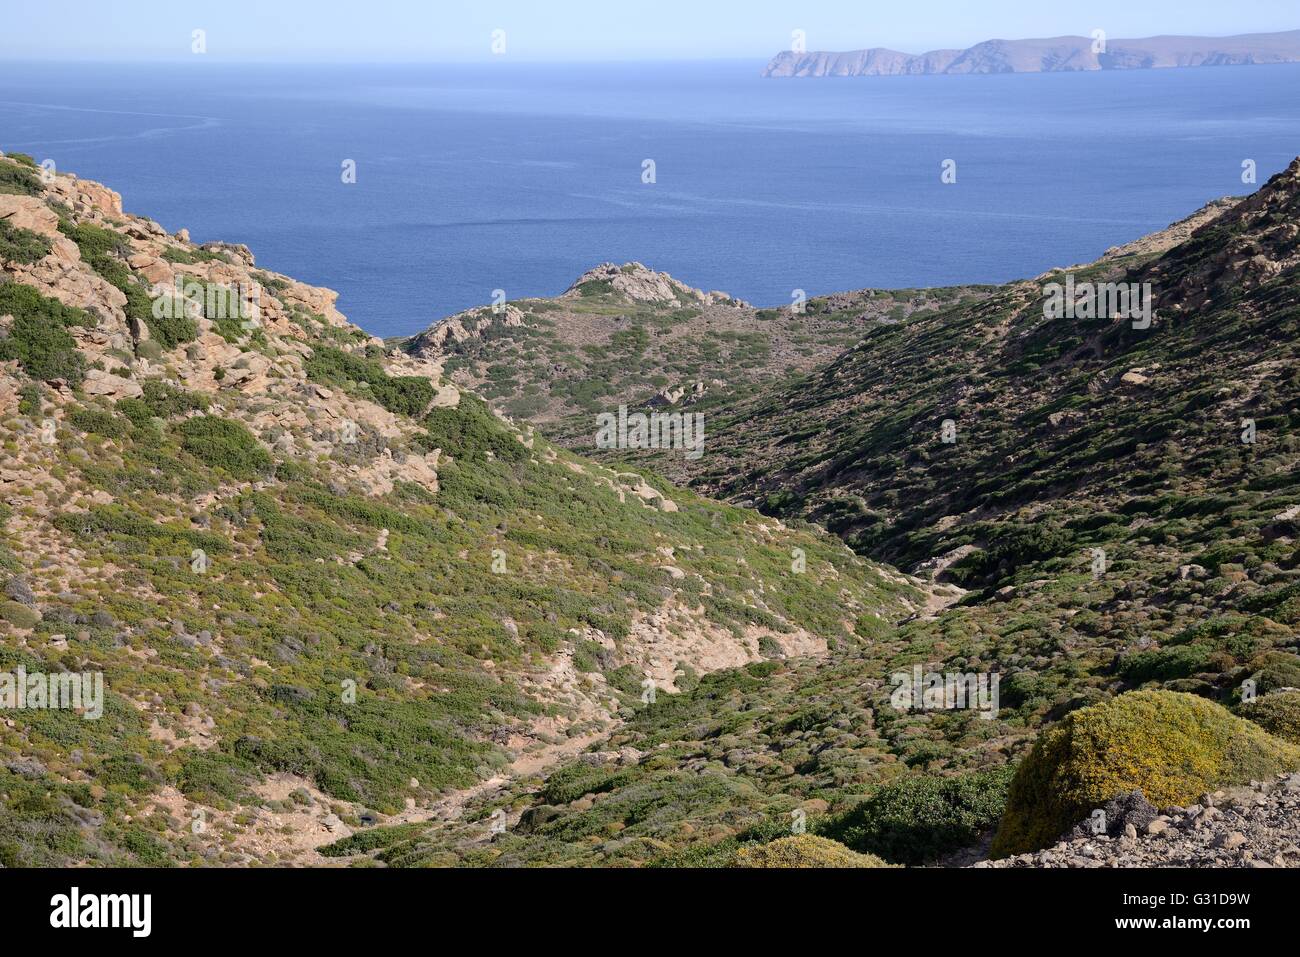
[584, 30]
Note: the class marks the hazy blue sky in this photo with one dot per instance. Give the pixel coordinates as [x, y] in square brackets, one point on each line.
[585, 29]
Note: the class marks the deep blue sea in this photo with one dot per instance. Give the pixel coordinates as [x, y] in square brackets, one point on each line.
[520, 177]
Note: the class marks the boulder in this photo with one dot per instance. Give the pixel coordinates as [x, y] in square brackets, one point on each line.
[99, 382]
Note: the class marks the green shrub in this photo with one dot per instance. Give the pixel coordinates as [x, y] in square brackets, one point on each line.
[171, 331]
[1165, 664]
[29, 399]
[1172, 747]
[372, 839]
[38, 337]
[1274, 670]
[1009, 547]
[401, 395]
[917, 819]
[18, 615]
[212, 777]
[97, 421]
[22, 246]
[105, 251]
[1278, 714]
[225, 444]
[470, 430]
[162, 401]
[803, 851]
[19, 180]
[187, 257]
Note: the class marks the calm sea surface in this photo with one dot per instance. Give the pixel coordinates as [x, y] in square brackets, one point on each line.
[520, 177]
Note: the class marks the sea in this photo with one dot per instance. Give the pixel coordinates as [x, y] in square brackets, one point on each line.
[418, 190]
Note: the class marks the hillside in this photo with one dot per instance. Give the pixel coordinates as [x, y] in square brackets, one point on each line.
[630, 335]
[325, 588]
[1120, 505]
[345, 613]
[1052, 55]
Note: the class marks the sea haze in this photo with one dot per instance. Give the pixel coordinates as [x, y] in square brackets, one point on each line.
[515, 176]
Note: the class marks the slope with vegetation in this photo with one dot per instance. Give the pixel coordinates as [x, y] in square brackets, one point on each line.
[1121, 507]
[326, 588]
[346, 613]
[627, 335]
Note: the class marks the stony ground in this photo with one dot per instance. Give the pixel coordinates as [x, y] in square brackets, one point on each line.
[1254, 826]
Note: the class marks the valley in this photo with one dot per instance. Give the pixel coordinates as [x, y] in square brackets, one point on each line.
[392, 603]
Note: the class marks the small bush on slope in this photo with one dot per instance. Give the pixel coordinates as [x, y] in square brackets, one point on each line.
[1278, 714]
[38, 337]
[18, 245]
[19, 180]
[1170, 746]
[803, 850]
[469, 431]
[917, 819]
[162, 401]
[224, 443]
[401, 395]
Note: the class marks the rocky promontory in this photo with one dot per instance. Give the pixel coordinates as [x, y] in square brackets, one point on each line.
[1051, 55]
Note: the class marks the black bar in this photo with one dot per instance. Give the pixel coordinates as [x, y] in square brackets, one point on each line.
[256, 907]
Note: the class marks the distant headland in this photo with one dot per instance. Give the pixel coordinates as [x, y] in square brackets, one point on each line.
[1052, 55]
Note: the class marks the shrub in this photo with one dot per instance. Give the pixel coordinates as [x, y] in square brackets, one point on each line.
[187, 257]
[1278, 714]
[917, 819]
[98, 421]
[225, 444]
[38, 337]
[29, 399]
[1010, 546]
[372, 839]
[101, 249]
[1165, 664]
[469, 431]
[162, 401]
[1274, 670]
[803, 850]
[18, 615]
[1170, 746]
[18, 245]
[213, 777]
[171, 331]
[19, 180]
[401, 395]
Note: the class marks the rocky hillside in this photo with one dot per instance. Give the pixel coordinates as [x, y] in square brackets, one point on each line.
[346, 613]
[1052, 55]
[1118, 503]
[324, 586]
[627, 335]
